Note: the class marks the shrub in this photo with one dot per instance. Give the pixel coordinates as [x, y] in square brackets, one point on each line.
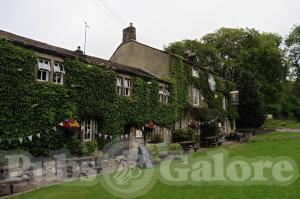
[175, 149]
[90, 147]
[73, 146]
[163, 148]
[297, 114]
[154, 152]
[182, 135]
[157, 139]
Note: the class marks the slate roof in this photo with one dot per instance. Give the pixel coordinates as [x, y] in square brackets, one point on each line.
[65, 53]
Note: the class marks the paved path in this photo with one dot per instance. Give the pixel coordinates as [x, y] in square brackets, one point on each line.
[288, 130]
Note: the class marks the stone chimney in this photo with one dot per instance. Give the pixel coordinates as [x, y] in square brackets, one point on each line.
[129, 33]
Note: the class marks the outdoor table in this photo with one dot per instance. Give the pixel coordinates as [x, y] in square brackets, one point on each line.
[187, 145]
[211, 141]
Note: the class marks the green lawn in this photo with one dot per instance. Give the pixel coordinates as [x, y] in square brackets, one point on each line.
[293, 124]
[261, 146]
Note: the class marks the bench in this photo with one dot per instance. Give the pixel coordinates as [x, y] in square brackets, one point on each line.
[188, 145]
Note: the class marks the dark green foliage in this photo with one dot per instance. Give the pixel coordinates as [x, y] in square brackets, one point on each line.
[182, 135]
[182, 80]
[209, 130]
[30, 107]
[228, 51]
[154, 152]
[73, 146]
[157, 139]
[250, 107]
[293, 50]
[175, 149]
[89, 147]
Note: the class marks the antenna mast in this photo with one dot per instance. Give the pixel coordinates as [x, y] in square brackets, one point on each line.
[85, 29]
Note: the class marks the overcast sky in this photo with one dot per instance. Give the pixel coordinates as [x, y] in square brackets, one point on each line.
[158, 22]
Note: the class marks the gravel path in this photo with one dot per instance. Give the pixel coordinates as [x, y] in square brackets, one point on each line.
[288, 130]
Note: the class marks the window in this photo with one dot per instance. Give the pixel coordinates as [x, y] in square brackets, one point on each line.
[127, 87]
[124, 86]
[167, 95]
[43, 70]
[89, 128]
[119, 85]
[224, 103]
[164, 94]
[195, 73]
[161, 93]
[58, 75]
[196, 96]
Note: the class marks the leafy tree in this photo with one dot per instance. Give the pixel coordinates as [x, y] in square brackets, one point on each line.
[250, 107]
[293, 50]
[229, 51]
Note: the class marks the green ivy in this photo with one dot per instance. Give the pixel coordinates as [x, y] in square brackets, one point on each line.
[182, 79]
[29, 107]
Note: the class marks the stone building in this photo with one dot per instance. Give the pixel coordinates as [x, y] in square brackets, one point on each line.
[130, 59]
[158, 63]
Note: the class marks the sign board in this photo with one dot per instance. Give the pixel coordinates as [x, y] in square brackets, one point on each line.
[139, 134]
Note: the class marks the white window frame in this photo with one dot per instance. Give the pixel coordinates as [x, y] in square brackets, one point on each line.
[127, 87]
[167, 95]
[89, 129]
[196, 96]
[195, 72]
[119, 85]
[58, 70]
[44, 67]
[164, 93]
[161, 93]
[224, 103]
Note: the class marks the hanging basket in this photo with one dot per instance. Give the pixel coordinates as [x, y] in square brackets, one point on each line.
[151, 125]
[71, 124]
[194, 124]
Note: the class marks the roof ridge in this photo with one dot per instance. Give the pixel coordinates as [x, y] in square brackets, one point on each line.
[66, 53]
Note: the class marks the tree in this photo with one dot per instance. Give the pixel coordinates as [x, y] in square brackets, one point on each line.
[250, 107]
[229, 51]
[293, 50]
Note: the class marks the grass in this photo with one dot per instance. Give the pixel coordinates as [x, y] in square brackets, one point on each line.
[267, 147]
[292, 124]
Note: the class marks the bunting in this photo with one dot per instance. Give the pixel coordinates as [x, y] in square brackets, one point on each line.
[47, 131]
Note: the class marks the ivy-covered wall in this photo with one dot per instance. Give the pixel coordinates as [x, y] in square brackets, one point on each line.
[181, 76]
[29, 107]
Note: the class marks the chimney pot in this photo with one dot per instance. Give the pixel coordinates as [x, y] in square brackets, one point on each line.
[79, 50]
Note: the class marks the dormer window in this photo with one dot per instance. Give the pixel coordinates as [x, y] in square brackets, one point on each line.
[195, 72]
[44, 69]
[58, 75]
